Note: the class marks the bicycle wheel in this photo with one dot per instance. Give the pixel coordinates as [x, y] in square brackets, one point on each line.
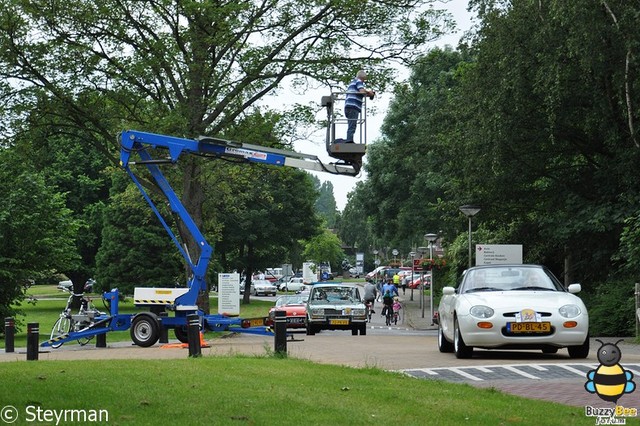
[78, 326]
[60, 328]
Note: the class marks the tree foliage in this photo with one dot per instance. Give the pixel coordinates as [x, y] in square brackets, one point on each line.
[323, 248]
[36, 230]
[534, 119]
[135, 249]
[326, 203]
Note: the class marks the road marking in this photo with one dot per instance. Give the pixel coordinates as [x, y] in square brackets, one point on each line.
[538, 367]
[571, 369]
[494, 372]
[522, 373]
[635, 372]
[428, 371]
[466, 375]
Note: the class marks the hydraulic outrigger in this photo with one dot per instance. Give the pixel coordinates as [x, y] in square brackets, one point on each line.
[136, 150]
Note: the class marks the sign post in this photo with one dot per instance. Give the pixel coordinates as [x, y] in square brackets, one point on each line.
[229, 294]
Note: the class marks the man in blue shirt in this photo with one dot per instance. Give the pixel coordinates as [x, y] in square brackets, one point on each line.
[353, 102]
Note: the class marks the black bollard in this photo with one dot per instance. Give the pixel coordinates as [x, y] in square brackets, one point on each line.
[101, 340]
[164, 331]
[193, 333]
[9, 334]
[33, 335]
[281, 333]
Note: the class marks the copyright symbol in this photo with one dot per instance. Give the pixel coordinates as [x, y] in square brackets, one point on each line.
[9, 414]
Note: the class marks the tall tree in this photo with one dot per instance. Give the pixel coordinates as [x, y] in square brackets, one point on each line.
[552, 143]
[326, 202]
[135, 250]
[36, 230]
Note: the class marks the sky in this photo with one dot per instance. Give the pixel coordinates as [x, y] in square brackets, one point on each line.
[342, 185]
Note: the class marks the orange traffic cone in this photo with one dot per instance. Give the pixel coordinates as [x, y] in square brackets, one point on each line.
[203, 343]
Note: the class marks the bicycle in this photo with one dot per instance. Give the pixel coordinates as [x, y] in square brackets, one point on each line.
[388, 317]
[396, 315]
[68, 322]
[369, 305]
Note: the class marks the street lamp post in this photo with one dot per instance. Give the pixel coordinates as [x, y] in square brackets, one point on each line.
[430, 238]
[469, 211]
[394, 252]
[413, 256]
[376, 262]
[422, 250]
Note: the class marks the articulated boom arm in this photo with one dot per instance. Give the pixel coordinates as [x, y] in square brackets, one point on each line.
[139, 143]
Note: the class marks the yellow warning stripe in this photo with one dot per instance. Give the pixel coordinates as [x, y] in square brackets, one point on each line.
[152, 302]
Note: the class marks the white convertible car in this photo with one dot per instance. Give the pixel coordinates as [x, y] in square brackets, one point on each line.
[512, 307]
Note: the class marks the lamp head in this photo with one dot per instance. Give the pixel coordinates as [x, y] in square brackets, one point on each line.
[469, 210]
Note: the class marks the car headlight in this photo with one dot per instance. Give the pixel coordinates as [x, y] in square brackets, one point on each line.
[569, 311]
[317, 312]
[481, 311]
[358, 312]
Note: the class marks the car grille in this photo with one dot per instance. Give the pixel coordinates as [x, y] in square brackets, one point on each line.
[332, 312]
[513, 314]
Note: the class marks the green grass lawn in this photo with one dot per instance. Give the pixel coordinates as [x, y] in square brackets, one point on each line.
[232, 390]
[48, 302]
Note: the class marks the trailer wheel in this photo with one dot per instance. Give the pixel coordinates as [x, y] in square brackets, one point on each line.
[145, 330]
[181, 334]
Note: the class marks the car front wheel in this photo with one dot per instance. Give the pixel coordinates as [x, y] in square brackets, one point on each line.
[580, 351]
[310, 330]
[460, 348]
[444, 345]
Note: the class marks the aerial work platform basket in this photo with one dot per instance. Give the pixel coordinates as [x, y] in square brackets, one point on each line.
[337, 123]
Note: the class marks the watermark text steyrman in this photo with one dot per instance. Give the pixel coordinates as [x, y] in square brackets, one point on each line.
[32, 413]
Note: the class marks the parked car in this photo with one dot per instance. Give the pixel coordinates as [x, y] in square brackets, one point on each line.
[263, 287]
[353, 272]
[419, 279]
[377, 272]
[512, 307]
[295, 307]
[65, 285]
[333, 306]
[88, 286]
[294, 284]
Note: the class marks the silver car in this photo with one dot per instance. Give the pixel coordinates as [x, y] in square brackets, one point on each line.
[334, 306]
[263, 287]
[512, 307]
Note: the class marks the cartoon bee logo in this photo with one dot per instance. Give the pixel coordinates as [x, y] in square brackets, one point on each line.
[609, 381]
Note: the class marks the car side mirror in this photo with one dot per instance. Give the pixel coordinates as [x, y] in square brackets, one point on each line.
[447, 291]
[574, 288]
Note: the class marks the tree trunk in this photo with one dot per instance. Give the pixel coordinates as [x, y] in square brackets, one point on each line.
[567, 267]
[192, 199]
[249, 274]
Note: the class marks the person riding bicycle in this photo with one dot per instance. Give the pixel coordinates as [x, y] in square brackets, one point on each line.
[389, 287]
[387, 301]
[370, 295]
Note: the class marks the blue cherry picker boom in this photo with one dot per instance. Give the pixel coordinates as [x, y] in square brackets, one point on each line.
[143, 149]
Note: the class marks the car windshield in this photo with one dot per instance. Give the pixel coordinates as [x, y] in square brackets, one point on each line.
[509, 279]
[291, 300]
[335, 294]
